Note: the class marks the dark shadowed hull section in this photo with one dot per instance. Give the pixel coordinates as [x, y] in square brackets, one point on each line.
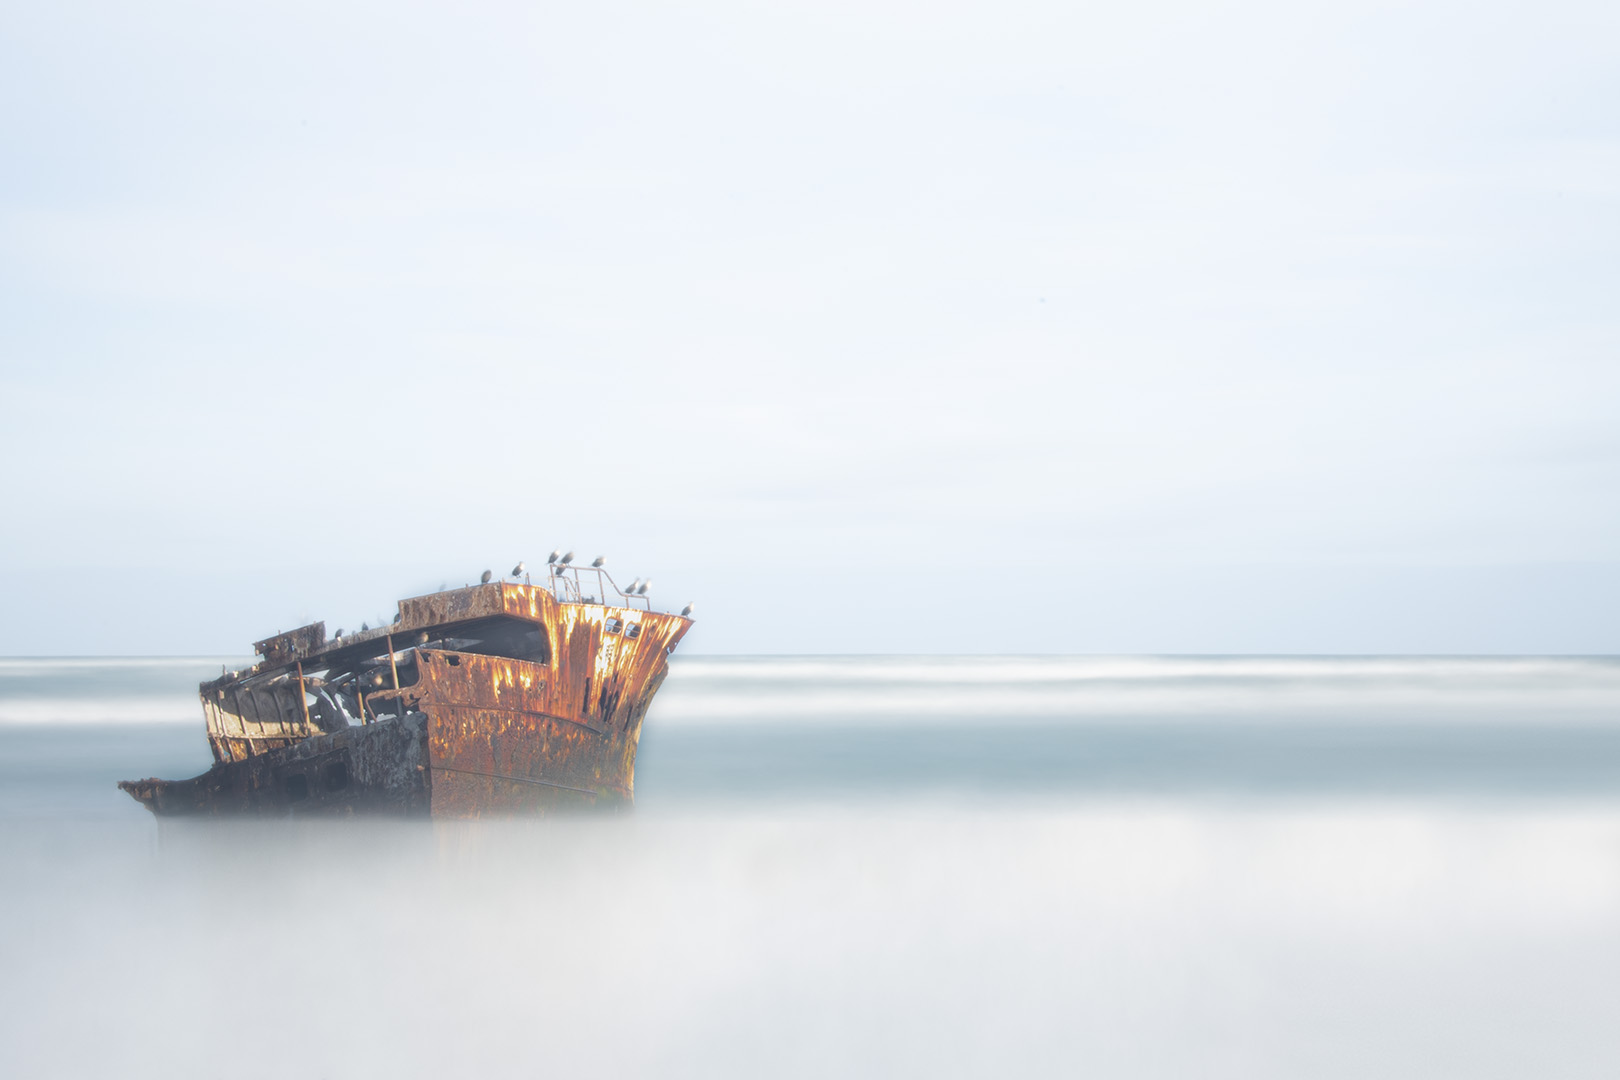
[378, 768]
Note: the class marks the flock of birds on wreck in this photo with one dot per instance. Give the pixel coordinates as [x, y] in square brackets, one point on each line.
[557, 562]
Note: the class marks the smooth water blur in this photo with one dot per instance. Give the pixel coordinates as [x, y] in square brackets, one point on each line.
[916, 866]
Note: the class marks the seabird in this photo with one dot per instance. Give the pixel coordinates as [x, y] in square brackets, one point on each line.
[686, 612]
[517, 571]
[599, 562]
[566, 559]
[484, 578]
[641, 590]
[367, 626]
[631, 589]
[555, 555]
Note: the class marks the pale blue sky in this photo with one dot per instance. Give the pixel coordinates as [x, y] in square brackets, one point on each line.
[1166, 327]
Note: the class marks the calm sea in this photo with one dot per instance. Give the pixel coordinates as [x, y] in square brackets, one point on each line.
[963, 866]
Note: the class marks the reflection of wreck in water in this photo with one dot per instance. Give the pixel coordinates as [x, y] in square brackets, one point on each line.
[497, 698]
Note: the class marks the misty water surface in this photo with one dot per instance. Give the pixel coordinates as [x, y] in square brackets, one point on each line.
[940, 867]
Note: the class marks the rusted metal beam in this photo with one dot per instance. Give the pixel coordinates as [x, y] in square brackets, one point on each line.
[303, 700]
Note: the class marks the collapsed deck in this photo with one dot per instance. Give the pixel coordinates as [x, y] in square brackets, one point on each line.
[493, 699]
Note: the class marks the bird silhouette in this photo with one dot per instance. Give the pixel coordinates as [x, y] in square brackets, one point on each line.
[641, 590]
[555, 555]
[686, 612]
[483, 578]
[631, 589]
[517, 571]
[599, 562]
[566, 559]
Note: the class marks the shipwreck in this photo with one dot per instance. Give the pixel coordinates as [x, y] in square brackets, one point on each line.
[500, 698]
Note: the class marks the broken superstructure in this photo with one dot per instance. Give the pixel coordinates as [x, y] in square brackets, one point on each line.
[497, 698]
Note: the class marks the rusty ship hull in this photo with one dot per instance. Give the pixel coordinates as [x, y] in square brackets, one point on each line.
[496, 699]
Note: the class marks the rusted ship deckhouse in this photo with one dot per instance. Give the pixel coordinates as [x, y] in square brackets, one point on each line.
[498, 698]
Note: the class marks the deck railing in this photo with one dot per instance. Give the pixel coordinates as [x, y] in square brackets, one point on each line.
[569, 585]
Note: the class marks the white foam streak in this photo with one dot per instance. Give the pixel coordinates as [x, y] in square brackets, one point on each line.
[1282, 689]
[925, 690]
[159, 710]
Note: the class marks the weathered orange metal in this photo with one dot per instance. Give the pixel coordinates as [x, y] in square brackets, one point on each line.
[509, 700]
